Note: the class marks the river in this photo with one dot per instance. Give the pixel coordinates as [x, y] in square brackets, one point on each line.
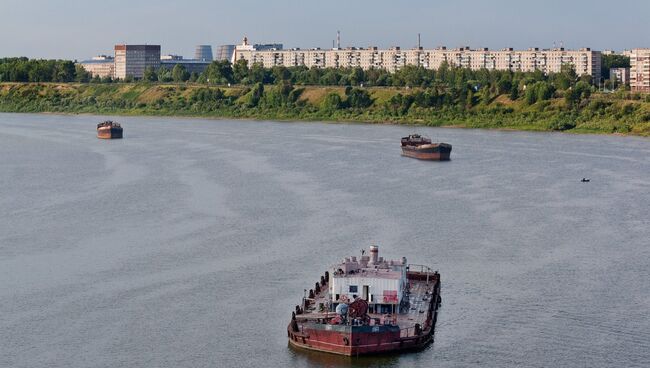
[189, 242]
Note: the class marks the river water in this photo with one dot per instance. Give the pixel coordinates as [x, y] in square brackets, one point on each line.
[188, 243]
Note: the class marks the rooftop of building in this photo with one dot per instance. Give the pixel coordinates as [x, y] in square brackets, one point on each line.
[184, 61]
[98, 61]
[370, 265]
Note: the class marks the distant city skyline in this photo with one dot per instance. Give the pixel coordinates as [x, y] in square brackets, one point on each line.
[81, 29]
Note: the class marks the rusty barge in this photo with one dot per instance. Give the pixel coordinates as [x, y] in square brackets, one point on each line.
[420, 147]
[109, 130]
[368, 306]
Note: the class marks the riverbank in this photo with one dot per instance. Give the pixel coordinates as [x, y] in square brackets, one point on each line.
[616, 113]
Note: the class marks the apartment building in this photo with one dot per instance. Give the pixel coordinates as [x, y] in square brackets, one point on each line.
[585, 61]
[621, 76]
[640, 70]
[132, 60]
[99, 66]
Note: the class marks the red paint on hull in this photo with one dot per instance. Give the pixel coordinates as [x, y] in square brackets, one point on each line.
[432, 152]
[358, 343]
[430, 156]
[109, 133]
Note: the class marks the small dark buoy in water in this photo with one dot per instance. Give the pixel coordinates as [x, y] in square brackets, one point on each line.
[585, 180]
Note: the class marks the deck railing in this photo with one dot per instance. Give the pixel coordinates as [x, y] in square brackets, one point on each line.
[422, 269]
[408, 332]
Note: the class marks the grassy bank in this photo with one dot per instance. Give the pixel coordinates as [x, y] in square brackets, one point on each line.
[619, 112]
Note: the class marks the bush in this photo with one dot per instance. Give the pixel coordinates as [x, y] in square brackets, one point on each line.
[331, 102]
[359, 98]
[562, 123]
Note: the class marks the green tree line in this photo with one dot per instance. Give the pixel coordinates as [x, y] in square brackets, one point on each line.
[23, 69]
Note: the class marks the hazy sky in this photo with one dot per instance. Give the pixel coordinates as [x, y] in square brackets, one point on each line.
[76, 29]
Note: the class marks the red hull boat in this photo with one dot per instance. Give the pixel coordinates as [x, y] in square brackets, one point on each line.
[109, 130]
[370, 306]
[421, 148]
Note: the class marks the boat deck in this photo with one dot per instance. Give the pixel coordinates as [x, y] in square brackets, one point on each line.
[415, 312]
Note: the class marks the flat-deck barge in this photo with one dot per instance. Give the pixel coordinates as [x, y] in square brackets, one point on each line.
[368, 306]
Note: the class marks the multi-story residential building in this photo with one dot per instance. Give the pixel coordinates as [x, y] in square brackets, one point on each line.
[270, 47]
[203, 53]
[640, 70]
[620, 76]
[99, 66]
[132, 60]
[190, 65]
[585, 61]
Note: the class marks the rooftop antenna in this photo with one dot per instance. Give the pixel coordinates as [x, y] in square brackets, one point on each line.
[419, 46]
[333, 46]
[338, 39]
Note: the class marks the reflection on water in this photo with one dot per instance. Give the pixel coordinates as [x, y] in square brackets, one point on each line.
[188, 243]
[301, 357]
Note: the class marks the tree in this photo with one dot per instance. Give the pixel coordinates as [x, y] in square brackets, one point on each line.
[280, 74]
[359, 98]
[356, 76]
[81, 75]
[180, 74]
[240, 71]
[565, 78]
[504, 85]
[514, 92]
[255, 95]
[150, 75]
[581, 91]
[330, 78]
[219, 72]
[256, 73]
[164, 75]
[540, 91]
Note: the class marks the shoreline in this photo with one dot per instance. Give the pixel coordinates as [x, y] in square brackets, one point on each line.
[324, 121]
[601, 114]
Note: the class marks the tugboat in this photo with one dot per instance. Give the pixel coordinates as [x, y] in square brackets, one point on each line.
[368, 306]
[109, 130]
[420, 147]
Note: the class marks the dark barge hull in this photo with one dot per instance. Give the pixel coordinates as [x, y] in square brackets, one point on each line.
[368, 340]
[109, 133]
[431, 152]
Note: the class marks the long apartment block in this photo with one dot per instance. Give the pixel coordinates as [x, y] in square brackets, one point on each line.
[585, 61]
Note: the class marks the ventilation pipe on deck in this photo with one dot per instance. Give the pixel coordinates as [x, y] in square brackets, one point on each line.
[374, 254]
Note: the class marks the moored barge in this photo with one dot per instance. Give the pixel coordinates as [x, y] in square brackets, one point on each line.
[420, 147]
[109, 130]
[368, 306]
